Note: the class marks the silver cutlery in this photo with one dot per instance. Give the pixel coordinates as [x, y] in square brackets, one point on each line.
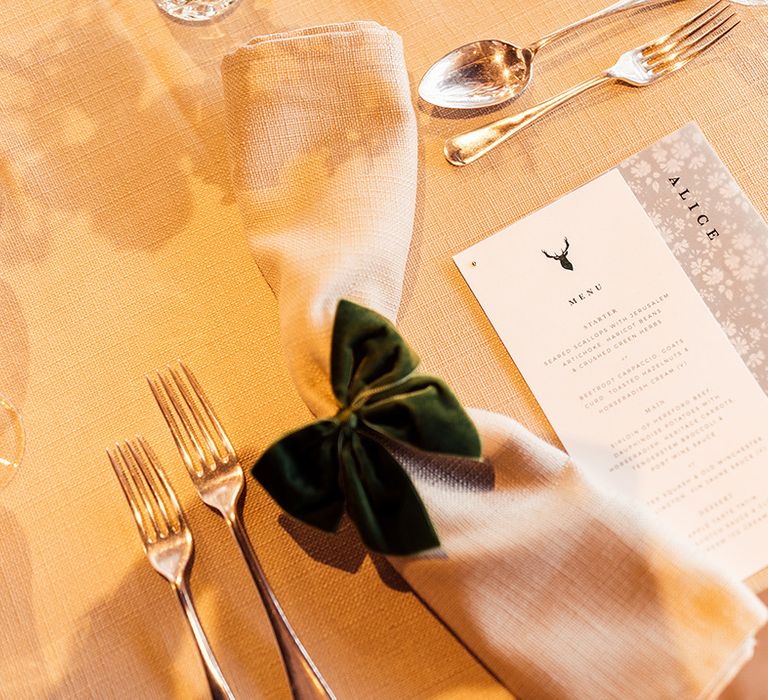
[488, 72]
[166, 538]
[638, 68]
[218, 477]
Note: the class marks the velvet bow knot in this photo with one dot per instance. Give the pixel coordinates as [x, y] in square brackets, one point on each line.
[341, 463]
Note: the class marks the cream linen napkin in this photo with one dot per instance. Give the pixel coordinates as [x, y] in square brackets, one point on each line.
[561, 590]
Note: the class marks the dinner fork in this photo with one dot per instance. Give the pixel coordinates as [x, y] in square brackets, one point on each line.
[166, 538]
[218, 477]
[639, 67]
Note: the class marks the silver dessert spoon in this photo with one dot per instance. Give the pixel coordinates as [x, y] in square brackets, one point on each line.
[488, 72]
[638, 68]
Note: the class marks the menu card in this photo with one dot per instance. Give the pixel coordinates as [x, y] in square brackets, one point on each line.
[639, 379]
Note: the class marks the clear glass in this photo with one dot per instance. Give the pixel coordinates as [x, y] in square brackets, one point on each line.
[11, 440]
[196, 10]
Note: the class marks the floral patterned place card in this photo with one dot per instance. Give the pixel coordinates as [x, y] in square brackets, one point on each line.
[688, 192]
[629, 338]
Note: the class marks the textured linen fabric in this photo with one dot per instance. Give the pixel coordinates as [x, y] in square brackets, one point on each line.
[289, 155]
[122, 248]
[562, 590]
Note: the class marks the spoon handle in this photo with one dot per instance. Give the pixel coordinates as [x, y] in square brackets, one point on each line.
[468, 147]
[619, 6]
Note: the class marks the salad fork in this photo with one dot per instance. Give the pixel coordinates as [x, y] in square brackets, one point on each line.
[639, 67]
[218, 477]
[166, 538]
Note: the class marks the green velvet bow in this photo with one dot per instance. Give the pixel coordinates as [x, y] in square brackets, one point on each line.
[333, 465]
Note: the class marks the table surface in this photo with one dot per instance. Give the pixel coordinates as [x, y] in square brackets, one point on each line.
[121, 248]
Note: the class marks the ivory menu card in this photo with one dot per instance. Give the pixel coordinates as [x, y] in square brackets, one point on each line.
[640, 381]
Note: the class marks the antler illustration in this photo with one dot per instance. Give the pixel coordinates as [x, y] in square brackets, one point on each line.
[562, 256]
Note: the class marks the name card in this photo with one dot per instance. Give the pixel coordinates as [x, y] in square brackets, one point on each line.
[638, 378]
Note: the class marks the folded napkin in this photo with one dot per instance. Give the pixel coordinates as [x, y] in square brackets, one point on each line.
[562, 590]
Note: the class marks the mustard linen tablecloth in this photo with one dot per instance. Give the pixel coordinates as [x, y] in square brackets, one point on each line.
[121, 248]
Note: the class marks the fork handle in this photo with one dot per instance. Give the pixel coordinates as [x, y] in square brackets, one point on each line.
[304, 678]
[216, 682]
[468, 147]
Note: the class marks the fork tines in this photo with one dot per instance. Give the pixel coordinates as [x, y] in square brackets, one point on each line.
[693, 37]
[153, 502]
[196, 429]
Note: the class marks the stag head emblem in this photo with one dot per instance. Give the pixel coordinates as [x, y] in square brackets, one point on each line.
[562, 256]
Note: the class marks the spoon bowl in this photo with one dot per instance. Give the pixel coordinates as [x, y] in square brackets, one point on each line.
[480, 74]
[489, 72]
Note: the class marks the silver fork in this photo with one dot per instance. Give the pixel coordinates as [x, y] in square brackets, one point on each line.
[638, 68]
[166, 538]
[218, 477]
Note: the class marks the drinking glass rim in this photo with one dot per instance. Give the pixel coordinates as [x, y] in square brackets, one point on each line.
[18, 425]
